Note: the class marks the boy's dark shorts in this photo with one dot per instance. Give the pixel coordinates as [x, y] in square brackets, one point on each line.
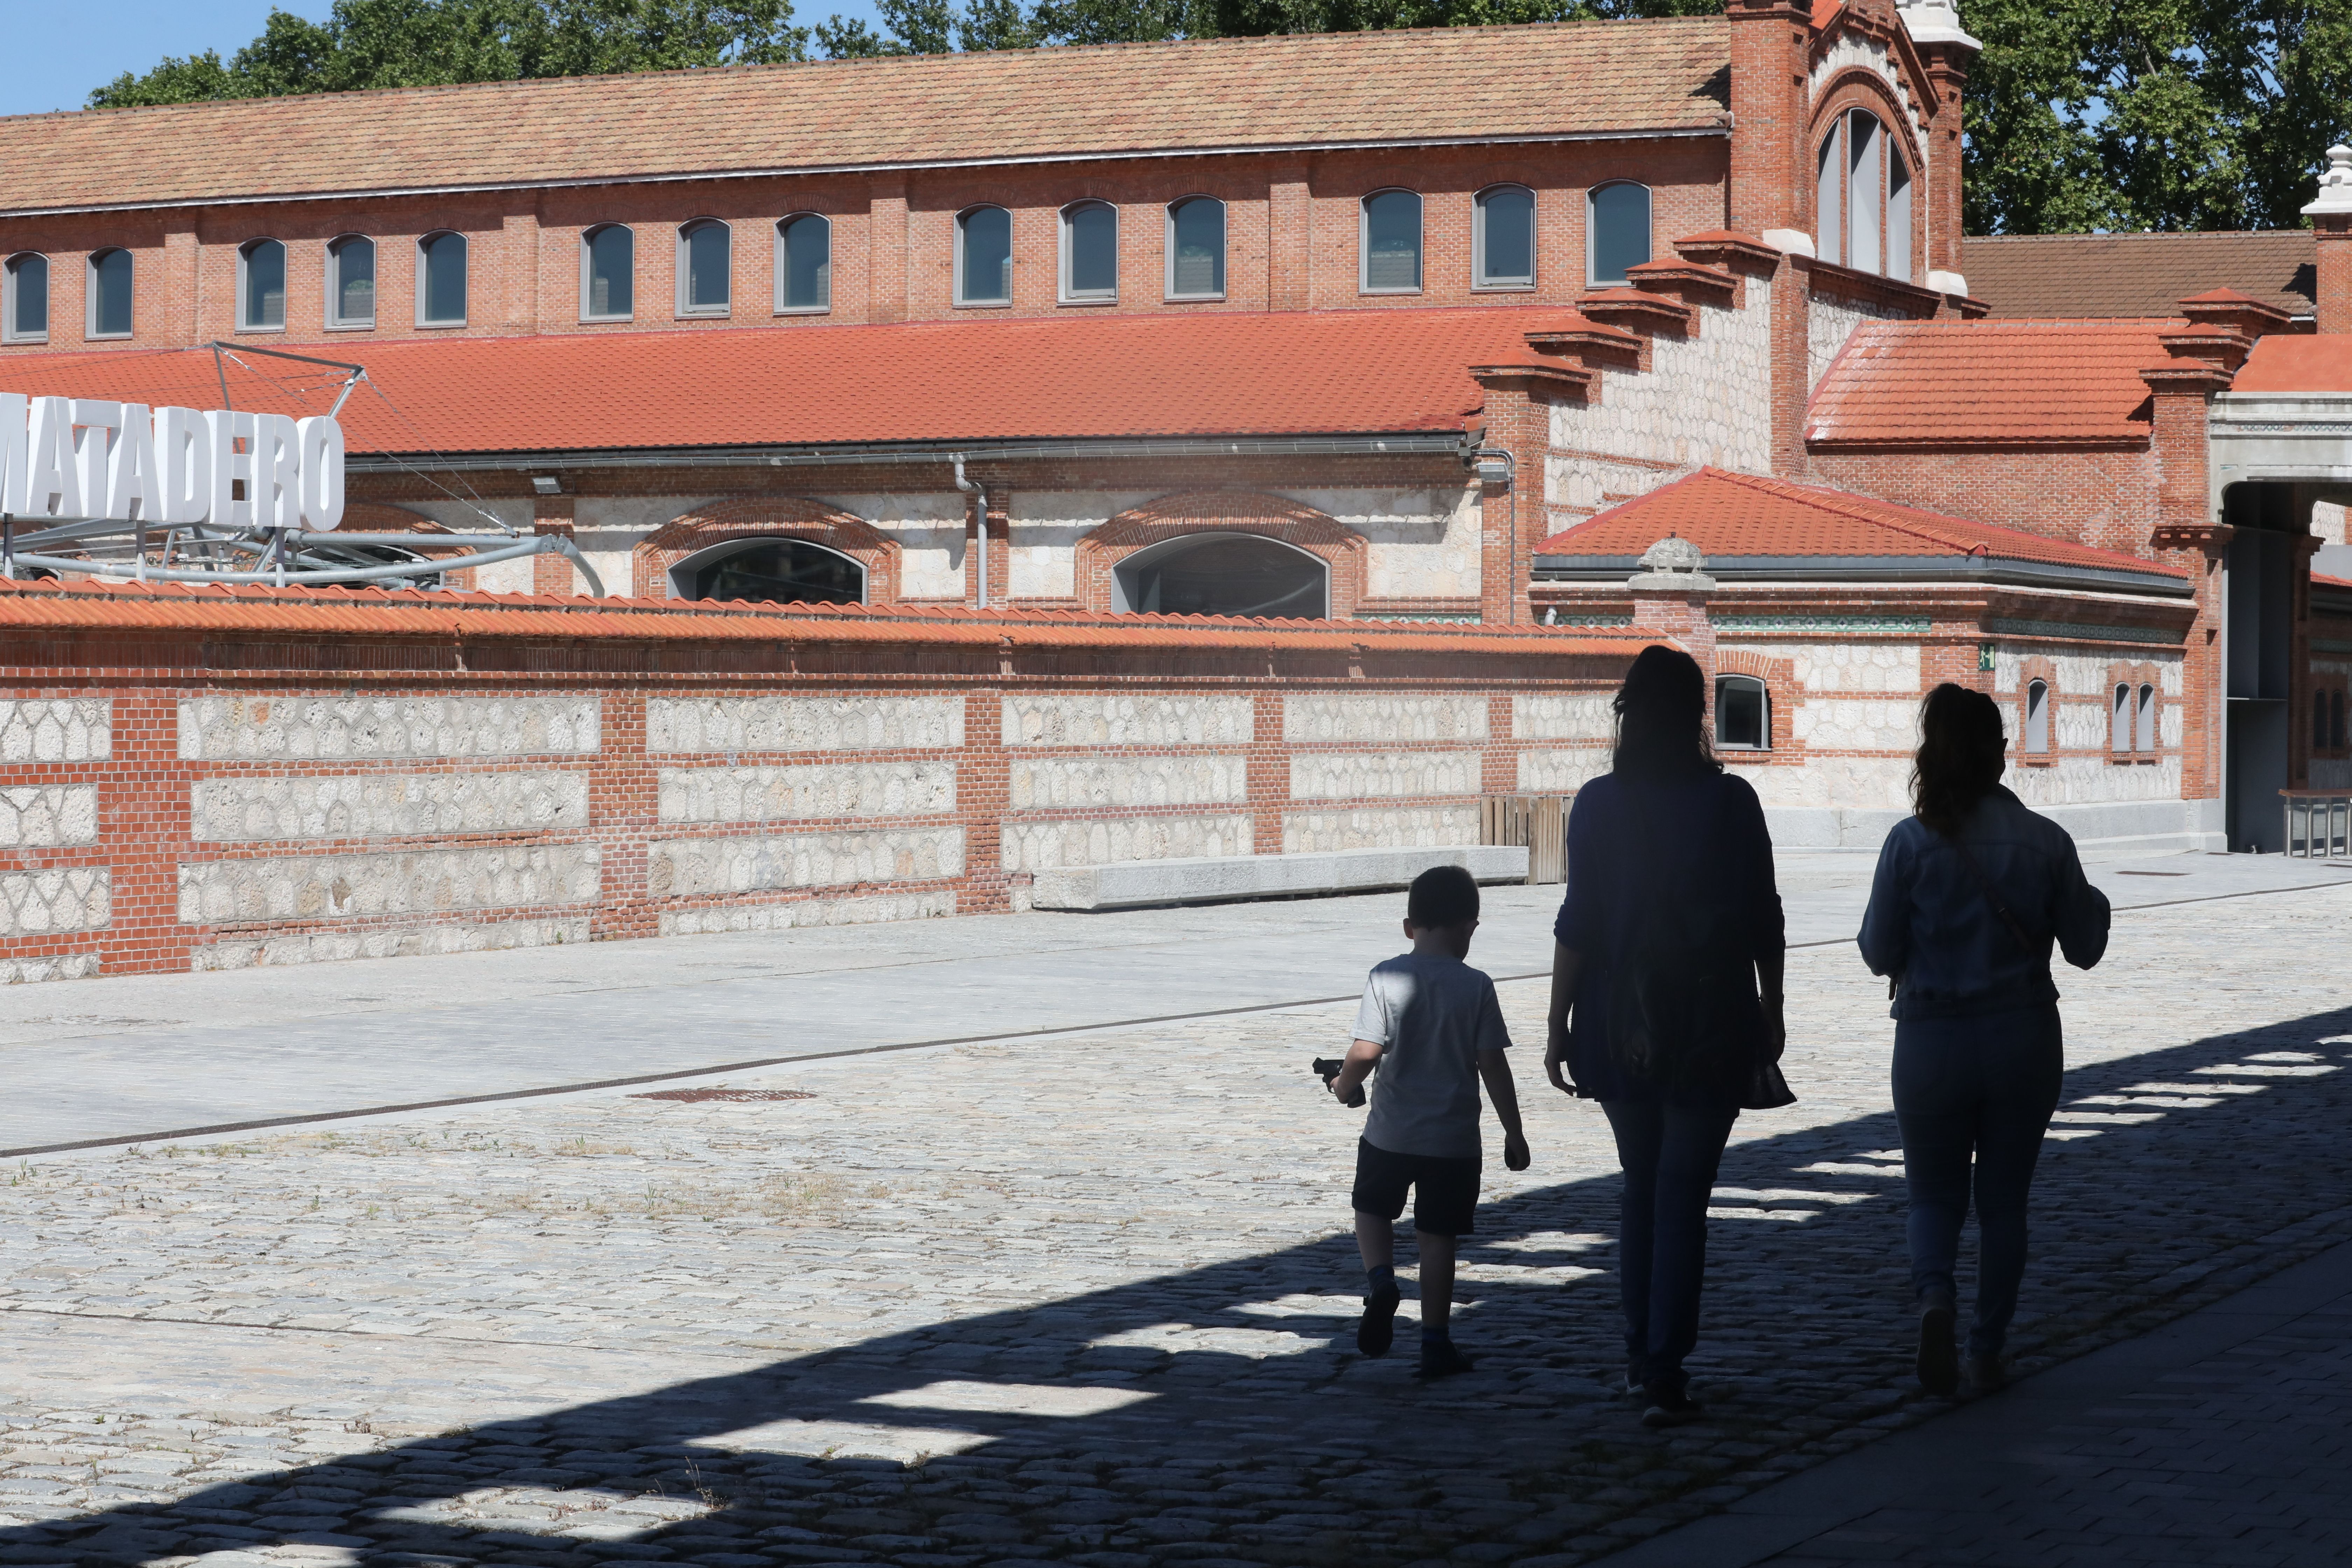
[1445, 1192]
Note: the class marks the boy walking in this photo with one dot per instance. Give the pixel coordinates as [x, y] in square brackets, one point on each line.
[1431, 1025]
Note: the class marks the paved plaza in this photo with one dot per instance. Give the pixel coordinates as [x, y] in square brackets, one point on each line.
[1079, 1289]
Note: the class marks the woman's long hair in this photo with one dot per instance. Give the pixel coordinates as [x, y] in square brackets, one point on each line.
[1662, 718]
[1959, 759]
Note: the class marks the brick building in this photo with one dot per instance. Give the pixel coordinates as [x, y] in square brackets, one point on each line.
[994, 362]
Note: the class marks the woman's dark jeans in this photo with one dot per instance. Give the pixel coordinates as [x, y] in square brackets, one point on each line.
[1979, 1089]
[1670, 1153]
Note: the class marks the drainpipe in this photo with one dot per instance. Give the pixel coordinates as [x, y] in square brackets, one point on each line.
[1495, 465]
[974, 487]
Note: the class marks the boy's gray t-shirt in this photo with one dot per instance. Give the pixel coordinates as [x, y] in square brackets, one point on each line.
[1433, 1016]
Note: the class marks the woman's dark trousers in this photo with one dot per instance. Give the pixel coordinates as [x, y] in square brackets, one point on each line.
[1976, 1090]
[1669, 1153]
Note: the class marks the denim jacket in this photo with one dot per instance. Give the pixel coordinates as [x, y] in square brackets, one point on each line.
[1932, 927]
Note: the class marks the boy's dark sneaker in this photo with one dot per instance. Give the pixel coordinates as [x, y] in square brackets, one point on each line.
[1986, 1374]
[1377, 1332]
[1939, 1356]
[1440, 1359]
[1636, 1378]
[1671, 1407]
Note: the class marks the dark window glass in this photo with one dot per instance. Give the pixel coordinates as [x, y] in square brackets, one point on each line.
[445, 279]
[1620, 230]
[1506, 238]
[985, 277]
[784, 572]
[612, 272]
[28, 296]
[1230, 574]
[807, 265]
[351, 281]
[1090, 238]
[1392, 241]
[263, 302]
[109, 294]
[2319, 721]
[2336, 722]
[1741, 719]
[1197, 242]
[708, 286]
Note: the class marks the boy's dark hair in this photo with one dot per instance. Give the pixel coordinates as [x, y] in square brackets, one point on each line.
[1441, 896]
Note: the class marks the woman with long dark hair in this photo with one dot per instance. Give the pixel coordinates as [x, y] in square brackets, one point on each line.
[1971, 890]
[1666, 996]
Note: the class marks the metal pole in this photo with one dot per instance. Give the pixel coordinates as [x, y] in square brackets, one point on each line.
[7, 544]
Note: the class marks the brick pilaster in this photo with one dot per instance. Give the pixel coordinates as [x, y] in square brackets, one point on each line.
[552, 573]
[983, 790]
[885, 251]
[1288, 212]
[1769, 40]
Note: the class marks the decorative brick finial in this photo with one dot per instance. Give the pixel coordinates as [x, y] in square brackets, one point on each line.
[2336, 186]
[1671, 567]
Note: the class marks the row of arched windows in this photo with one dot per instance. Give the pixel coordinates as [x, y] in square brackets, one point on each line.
[1390, 245]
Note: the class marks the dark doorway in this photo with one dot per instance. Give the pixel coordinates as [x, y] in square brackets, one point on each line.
[2260, 608]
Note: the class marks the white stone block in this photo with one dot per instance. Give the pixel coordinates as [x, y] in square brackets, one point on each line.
[338, 729]
[1563, 772]
[56, 730]
[1097, 841]
[928, 904]
[1373, 827]
[1064, 784]
[68, 898]
[687, 867]
[247, 809]
[1382, 775]
[35, 817]
[399, 882]
[1561, 715]
[805, 790]
[802, 723]
[1381, 717]
[388, 942]
[1114, 719]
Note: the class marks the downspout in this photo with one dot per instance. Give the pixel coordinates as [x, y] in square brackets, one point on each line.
[1480, 458]
[974, 487]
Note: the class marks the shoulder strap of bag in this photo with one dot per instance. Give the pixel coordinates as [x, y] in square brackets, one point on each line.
[2016, 928]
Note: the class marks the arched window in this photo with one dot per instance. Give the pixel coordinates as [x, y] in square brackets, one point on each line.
[2037, 717]
[261, 286]
[2119, 732]
[1616, 230]
[1743, 714]
[608, 273]
[773, 570]
[108, 311]
[1089, 251]
[351, 281]
[1503, 239]
[1196, 248]
[1861, 198]
[1223, 574]
[24, 300]
[804, 264]
[441, 280]
[984, 257]
[705, 268]
[2144, 736]
[1389, 243]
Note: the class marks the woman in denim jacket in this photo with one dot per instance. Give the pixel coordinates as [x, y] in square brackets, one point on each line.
[1970, 892]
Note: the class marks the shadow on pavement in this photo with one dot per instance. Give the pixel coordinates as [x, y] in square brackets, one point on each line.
[1220, 1413]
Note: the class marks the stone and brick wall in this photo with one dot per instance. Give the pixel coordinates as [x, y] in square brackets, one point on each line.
[215, 779]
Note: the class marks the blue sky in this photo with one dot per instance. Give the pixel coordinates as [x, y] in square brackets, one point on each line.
[55, 53]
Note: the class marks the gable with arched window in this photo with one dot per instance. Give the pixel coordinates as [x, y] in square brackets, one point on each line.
[1862, 186]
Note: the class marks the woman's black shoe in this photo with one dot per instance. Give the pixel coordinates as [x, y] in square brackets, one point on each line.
[1671, 1407]
[1939, 1357]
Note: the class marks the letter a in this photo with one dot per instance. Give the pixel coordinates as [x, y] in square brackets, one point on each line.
[52, 482]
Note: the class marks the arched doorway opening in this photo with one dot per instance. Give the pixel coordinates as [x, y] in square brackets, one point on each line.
[1223, 573]
[770, 570]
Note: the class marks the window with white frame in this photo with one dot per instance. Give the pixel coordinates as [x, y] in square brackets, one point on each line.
[108, 313]
[1090, 252]
[1616, 230]
[25, 299]
[1389, 243]
[1503, 238]
[804, 264]
[441, 280]
[351, 281]
[2037, 718]
[608, 273]
[261, 286]
[1196, 248]
[706, 282]
[983, 256]
[1743, 714]
[1863, 197]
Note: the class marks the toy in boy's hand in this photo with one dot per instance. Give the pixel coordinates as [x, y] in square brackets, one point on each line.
[1328, 1068]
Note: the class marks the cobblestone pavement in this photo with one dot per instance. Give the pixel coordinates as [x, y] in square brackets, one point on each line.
[1083, 1299]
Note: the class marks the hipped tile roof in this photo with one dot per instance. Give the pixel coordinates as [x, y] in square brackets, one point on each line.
[1342, 372]
[2319, 362]
[262, 609]
[1465, 84]
[2010, 384]
[2119, 275]
[1743, 515]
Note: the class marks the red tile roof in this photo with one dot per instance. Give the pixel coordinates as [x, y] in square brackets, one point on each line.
[1733, 515]
[1452, 84]
[1342, 371]
[2319, 362]
[85, 605]
[1989, 383]
[2117, 275]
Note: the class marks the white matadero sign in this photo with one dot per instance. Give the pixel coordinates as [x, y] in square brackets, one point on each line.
[68, 458]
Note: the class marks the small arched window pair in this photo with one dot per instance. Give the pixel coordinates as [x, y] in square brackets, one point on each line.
[704, 271]
[2131, 723]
